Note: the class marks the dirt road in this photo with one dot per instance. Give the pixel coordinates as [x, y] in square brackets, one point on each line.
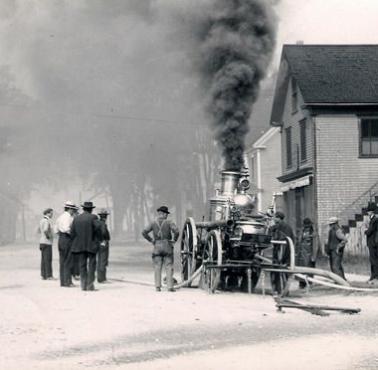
[127, 325]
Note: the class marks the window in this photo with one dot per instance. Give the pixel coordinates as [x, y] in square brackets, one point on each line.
[294, 96]
[303, 138]
[289, 156]
[369, 137]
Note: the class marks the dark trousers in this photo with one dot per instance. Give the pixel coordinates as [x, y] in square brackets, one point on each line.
[87, 263]
[46, 260]
[160, 261]
[75, 264]
[102, 262]
[65, 260]
[335, 262]
[373, 256]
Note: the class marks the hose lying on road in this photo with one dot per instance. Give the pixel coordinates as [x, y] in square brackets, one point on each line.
[187, 282]
[332, 285]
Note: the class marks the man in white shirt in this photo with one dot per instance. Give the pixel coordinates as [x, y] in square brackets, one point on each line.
[45, 244]
[63, 229]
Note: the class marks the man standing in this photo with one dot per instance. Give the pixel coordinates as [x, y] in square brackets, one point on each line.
[75, 257]
[281, 253]
[372, 242]
[103, 253]
[85, 234]
[63, 228]
[45, 244]
[165, 235]
[335, 247]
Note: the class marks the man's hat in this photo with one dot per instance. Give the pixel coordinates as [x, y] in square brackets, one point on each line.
[102, 211]
[371, 207]
[69, 204]
[88, 205]
[280, 215]
[333, 220]
[163, 209]
[307, 221]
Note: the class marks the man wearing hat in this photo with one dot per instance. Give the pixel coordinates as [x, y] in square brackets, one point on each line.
[335, 246]
[164, 235]
[63, 229]
[372, 242]
[75, 257]
[281, 253]
[103, 252]
[85, 230]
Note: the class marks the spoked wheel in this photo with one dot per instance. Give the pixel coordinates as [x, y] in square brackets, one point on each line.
[188, 250]
[279, 280]
[212, 255]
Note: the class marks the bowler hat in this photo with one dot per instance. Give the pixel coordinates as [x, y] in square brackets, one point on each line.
[371, 207]
[280, 215]
[163, 209]
[102, 211]
[307, 221]
[69, 204]
[333, 220]
[88, 205]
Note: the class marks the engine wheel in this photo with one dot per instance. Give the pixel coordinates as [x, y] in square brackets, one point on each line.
[212, 254]
[188, 250]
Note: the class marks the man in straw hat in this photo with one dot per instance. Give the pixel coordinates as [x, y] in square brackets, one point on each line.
[164, 235]
[372, 242]
[85, 231]
[63, 229]
[335, 246]
[103, 253]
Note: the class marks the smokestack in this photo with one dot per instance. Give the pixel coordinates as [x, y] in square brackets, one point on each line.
[237, 38]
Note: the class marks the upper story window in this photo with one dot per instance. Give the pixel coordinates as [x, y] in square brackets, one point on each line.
[369, 137]
[289, 154]
[294, 96]
[303, 139]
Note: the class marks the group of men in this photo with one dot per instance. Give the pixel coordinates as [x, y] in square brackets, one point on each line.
[83, 243]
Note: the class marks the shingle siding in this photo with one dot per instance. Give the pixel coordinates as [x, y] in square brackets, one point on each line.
[341, 176]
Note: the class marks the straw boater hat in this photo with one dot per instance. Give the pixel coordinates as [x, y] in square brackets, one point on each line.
[102, 211]
[69, 204]
[333, 220]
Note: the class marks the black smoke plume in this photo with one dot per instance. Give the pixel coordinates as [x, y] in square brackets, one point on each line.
[237, 38]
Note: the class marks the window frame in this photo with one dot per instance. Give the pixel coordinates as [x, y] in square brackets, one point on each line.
[303, 140]
[289, 149]
[361, 154]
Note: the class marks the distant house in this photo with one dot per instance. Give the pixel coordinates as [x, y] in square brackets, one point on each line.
[326, 104]
[264, 158]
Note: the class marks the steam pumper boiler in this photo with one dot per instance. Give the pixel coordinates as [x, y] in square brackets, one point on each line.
[226, 246]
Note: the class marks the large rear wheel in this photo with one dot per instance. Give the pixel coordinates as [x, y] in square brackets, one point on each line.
[212, 257]
[189, 245]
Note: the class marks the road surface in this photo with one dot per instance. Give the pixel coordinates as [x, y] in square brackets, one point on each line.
[127, 325]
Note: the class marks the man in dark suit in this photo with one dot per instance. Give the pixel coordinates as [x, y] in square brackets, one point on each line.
[372, 242]
[281, 253]
[85, 231]
[103, 253]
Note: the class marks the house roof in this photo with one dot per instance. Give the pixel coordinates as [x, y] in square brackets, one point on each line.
[262, 141]
[329, 75]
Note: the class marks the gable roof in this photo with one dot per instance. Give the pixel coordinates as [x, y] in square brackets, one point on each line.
[264, 139]
[329, 75]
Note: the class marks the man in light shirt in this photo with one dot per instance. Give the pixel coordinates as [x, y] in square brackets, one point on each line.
[45, 244]
[63, 229]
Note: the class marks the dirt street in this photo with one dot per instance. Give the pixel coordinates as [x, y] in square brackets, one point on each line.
[127, 325]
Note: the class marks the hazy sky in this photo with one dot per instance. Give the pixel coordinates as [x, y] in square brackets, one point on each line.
[328, 21]
[79, 57]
